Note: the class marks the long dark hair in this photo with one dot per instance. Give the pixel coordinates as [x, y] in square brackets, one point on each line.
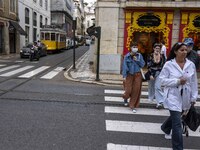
[175, 48]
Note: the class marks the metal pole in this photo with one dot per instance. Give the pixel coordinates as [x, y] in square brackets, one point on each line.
[98, 53]
[74, 45]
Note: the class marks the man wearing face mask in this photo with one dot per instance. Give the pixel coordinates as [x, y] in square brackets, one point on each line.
[192, 54]
[133, 62]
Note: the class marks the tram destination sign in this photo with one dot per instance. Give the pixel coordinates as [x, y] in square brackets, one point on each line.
[196, 22]
[148, 20]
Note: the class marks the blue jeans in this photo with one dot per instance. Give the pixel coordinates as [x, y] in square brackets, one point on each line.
[173, 123]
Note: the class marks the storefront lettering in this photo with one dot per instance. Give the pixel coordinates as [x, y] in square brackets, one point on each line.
[149, 21]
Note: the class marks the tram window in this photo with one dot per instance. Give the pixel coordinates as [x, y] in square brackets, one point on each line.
[53, 37]
[47, 36]
[57, 37]
[42, 36]
[62, 38]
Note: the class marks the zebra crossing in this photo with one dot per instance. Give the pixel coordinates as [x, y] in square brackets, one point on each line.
[28, 71]
[136, 127]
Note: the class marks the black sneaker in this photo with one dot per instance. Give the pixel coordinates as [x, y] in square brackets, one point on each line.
[125, 102]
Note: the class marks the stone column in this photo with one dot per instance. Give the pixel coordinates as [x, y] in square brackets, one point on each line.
[6, 43]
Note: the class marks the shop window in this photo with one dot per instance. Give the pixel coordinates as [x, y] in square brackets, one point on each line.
[27, 15]
[34, 19]
[13, 6]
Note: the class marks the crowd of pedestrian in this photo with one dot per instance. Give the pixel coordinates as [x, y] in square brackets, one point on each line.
[172, 81]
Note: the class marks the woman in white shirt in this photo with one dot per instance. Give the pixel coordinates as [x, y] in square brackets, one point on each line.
[179, 79]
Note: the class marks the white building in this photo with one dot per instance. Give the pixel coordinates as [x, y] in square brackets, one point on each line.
[62, 14]
[89, 13]
[33, 14]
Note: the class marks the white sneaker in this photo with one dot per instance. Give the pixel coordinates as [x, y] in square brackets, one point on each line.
[159, 106]
[134, 110]
[125, 103]
[168, 136]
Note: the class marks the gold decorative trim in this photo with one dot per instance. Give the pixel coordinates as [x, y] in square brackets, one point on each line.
[134, 27]
[190, 27]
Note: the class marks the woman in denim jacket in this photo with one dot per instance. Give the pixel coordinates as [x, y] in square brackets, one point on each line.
[133, 62]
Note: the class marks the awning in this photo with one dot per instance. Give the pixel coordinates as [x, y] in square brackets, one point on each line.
[18, 27]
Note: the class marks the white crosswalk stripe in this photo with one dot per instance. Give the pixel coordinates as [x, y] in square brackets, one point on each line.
[53, 73]
[8, 74]
[34, 72]
[136, 127]
[8, 71]
[9, 67]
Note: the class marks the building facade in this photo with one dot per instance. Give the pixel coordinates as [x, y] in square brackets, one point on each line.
[33, 14]
[145, 22]
[62, 15]
[89, 14]
[10, 29]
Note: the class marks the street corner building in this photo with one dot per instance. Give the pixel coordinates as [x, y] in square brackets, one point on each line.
[145, 22]
[10, 30]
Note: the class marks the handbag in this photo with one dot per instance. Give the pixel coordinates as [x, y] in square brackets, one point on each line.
[142, 72]
[192, 118]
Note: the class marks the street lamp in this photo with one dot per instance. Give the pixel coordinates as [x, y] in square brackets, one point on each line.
[74, 35]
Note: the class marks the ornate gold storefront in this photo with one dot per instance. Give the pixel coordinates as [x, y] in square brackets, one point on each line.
[190, 27]
[147, 28]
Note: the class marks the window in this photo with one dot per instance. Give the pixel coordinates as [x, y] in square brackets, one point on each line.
[53, 36]
[41, 3]
[46, 5]
[1, 3]
[35, 1]
[26, 15]
[34, 34]
[13, 6]
[27, 34]
[41, 18]
[34, 19]
[47, 36]
[42, 36]
[46, 21]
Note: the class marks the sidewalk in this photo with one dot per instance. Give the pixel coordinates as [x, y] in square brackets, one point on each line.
[84, 73]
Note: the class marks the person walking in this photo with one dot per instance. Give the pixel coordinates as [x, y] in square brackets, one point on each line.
[164, 50]
[133, 62]
[192, 54]
[154, 65]
[179, 79]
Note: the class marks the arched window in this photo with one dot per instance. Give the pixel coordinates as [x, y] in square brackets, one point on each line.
[1, 3]
[13, 6]
[41, 2]
[46, 5]
[34, 19]
[27, 15]
[41, 18]
[46, 21]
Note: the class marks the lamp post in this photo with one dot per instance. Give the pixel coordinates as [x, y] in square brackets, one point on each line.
[74, 31]
[74, 43]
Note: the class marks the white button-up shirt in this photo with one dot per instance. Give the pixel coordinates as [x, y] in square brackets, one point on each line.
[170, 74]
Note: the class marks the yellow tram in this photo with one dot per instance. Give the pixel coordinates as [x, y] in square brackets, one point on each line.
[53, 38]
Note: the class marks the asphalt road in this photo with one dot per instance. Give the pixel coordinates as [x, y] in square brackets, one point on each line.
[57, 114]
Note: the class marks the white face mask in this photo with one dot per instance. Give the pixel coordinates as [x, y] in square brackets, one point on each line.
[134, 49]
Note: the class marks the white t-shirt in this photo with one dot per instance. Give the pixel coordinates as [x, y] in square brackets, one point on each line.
[163, 51]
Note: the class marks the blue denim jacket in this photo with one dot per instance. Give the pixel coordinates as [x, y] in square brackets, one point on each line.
[131, 66]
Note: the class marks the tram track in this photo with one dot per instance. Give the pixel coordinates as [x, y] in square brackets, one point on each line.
[65, 59]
